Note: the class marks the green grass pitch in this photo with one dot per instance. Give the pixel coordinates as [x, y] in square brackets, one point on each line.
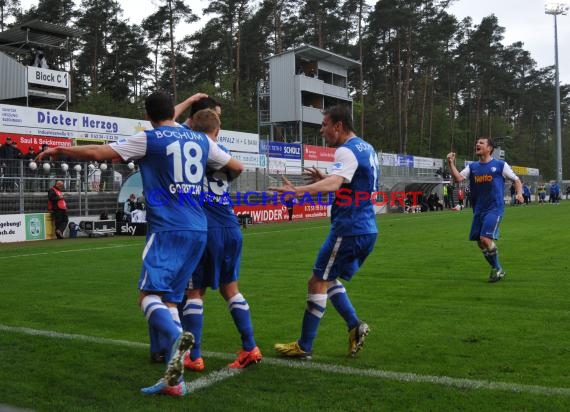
[73, 339]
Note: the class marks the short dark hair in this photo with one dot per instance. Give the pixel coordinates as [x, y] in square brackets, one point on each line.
[204, 103]
[159, 106]
[340, 113]
[490, 142]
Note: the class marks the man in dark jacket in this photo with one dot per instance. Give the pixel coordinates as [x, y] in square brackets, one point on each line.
[9, 154]
[58, 207]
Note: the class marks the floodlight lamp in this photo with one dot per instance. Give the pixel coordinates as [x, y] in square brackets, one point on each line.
[556, 7]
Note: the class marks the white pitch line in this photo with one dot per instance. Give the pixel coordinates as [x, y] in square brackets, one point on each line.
[309, 365]
[416, 378]
[68, 251]
[212, 378]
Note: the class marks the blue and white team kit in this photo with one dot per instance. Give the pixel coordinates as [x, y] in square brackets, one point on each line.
[353, 224]
[173, 161]
[487, 183]
[220, 263]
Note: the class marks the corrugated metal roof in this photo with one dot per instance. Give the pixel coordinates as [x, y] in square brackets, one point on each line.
[36, 33]
[315, 53]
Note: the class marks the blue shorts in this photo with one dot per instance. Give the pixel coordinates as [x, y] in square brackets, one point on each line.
[169, 258]
[342, 256]
[485, 224]
[221, 260]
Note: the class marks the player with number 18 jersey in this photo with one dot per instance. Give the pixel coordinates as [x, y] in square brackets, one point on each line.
[172, 200]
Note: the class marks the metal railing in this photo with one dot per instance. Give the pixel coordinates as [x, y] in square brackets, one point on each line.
[90, 187]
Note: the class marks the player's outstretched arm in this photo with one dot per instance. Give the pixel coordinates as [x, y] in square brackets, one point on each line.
[454, 172]
[184, 105]
[87, 152]
[331, 183]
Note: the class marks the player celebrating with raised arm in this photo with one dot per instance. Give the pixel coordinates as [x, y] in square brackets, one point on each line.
[195, 103]
[487, 186]
[172, 160]
[352, 234]
[220, 263]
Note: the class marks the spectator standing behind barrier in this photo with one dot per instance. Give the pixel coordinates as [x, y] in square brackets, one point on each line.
[290, 202]
[434, 203]
[31, 155]
[8, 156]
[29, 174]
[450, 190]
[40, 60]
[17, 152]
[58, 208]
[129, 207]
[139, 214]
[467, 196]
[513, 195]
[445, 197]
[437, 203]
[3, 168]
[106, 178]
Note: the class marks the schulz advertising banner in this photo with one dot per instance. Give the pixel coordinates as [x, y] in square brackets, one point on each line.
[21, 228]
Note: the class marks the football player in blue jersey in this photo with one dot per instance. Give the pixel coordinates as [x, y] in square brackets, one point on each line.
[196, 102]
[173, 161]
[487, 186]
[352, 234]
[220, 264]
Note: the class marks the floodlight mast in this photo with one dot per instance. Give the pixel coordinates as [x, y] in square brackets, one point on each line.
[555, 9]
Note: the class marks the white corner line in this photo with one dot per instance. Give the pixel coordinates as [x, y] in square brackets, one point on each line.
[310, 365]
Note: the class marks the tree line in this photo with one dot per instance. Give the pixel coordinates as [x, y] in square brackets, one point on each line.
[429, 83]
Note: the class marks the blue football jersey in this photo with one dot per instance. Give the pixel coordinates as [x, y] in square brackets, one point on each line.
[351, 213]
[217, 203]
[172, 161]
[487, 182]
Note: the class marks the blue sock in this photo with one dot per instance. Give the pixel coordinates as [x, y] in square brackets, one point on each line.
[193, 321]
[239, 309]
[154, 337]
[159, 318]
[492, 256]
[314, 311]
[158, 344]
[339, 299]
